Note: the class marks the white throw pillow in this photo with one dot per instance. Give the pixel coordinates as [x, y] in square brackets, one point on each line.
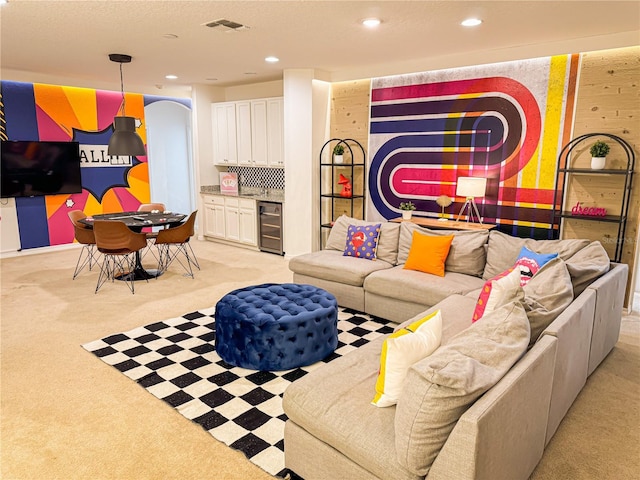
[400, 351]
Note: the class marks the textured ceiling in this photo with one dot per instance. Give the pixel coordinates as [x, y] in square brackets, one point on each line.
[73, 38]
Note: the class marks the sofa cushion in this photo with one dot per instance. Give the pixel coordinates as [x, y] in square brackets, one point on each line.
[500, 290]
[456, 312]
[333, 403]
[428, 254]
[400, 350]
[547, 295]
[387, 242]
[440, 388]
[503, 250]
[362, 241]
[331, 265]
[588, 264]
[466, 255]
[419, 287]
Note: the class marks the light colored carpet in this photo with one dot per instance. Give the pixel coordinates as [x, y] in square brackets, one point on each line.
[67, 415]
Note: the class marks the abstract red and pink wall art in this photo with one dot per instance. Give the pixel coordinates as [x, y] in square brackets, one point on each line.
[506, 122]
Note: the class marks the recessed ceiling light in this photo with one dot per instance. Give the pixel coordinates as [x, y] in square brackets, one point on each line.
[272, 59]
[371, 22]
[2, 2]
[171, 77]
[471, 22]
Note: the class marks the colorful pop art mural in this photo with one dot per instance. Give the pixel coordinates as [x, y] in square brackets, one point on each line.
[505, 122]
[39, 112]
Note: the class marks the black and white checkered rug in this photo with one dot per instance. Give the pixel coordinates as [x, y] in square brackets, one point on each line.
[175, 361]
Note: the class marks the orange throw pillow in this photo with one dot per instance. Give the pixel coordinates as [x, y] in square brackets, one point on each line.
[428, 253]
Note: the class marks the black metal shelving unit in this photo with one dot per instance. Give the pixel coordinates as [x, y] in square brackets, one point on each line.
[565, 171]
[330, 172]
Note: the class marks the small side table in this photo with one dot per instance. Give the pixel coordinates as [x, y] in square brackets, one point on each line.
[445, 224]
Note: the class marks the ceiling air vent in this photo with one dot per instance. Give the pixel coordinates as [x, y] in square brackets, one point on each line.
[226, 25]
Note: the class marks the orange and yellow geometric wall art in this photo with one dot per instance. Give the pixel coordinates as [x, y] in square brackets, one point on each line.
[39, 112]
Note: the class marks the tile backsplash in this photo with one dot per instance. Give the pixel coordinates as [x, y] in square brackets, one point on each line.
[256, 176]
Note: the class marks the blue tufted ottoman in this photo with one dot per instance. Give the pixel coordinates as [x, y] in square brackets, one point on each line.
[276, 326]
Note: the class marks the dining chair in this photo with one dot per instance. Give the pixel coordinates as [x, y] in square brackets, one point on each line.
[148, 207]
[83, 235]
[150, 231]
[119, 246]
[174, 241]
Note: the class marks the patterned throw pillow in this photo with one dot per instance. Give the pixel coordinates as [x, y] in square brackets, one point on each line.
[362, 241]
[500, 290]
[530, 262]
[400, 351]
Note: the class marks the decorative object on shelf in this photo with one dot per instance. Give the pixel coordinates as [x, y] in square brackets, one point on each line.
[124, 140]
[470, 188]
[565, 208]
[338, 154]
[443, 201]
[407, 209]
[588, 211]
[599, 151]
[347, 190]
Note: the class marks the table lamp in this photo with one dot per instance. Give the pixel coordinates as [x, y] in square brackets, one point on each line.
[471, 187]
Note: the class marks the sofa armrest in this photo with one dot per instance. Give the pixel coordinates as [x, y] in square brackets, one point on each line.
[502, 435]
[610, 290]
[573, 329]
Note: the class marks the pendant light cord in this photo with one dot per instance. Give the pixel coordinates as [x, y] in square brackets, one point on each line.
[122, 91]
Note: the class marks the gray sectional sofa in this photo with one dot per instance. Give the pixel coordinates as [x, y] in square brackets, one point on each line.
[486, 403]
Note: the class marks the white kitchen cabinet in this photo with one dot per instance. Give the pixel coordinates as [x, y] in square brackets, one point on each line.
[244, 133]
[259, 127]
[275, 132]
[248, 222]
[214, 223]
[231, 218]
[249, 132]
[224, 133]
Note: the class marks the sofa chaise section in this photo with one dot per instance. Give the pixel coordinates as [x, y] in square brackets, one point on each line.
[340, 275]
[397, 294]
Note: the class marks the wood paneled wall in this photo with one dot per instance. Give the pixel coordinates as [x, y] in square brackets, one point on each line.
[350, 119]
[608, 101]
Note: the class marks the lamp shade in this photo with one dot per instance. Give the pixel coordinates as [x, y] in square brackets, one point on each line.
[471, 186]
[125, 140]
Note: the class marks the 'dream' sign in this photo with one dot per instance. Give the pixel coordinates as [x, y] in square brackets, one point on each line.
[588, 211]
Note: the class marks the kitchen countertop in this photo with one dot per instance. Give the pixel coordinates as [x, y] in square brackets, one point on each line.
[253, 193]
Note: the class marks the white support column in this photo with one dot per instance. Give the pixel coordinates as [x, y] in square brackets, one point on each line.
[305, 114]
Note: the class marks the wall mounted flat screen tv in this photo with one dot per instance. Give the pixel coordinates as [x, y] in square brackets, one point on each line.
[40, 168]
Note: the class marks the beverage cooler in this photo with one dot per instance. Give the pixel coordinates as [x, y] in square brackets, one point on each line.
[270, 227]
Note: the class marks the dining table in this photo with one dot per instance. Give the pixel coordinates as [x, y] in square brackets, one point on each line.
[136, 221]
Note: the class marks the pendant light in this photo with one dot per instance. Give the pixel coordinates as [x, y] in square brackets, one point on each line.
[124, 140]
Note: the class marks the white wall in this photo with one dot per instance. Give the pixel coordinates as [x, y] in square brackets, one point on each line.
[169, 143]
[254, 90]
[9, 236]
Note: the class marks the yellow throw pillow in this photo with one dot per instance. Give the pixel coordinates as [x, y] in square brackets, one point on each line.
[428, 254]
[400, 351]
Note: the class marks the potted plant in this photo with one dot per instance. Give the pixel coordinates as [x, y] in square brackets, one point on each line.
[599, 151]
[407, 209]
[338, 152]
